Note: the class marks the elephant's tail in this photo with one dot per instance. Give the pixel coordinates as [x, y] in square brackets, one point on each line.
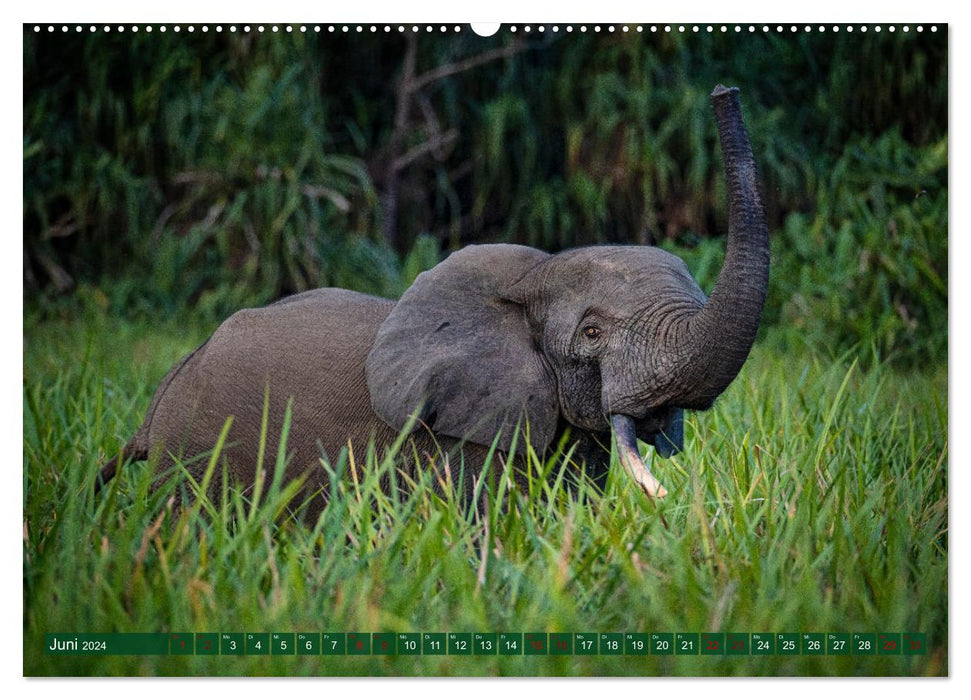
[137, 448]
[134, 451]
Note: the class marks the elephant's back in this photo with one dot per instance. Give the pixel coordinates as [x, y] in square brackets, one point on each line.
[331, 323]
[304, 342]
[305, 352]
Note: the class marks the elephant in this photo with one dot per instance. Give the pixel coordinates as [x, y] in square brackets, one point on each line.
[587, 343]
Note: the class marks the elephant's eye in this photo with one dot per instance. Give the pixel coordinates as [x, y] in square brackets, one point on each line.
[592, 332]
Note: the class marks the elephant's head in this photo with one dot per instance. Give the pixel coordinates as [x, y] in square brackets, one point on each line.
[609, 337]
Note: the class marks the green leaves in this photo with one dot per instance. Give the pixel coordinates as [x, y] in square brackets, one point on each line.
[870, 268]
[219, 172]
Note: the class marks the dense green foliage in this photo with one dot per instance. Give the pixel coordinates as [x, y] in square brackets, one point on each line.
[812, 498]
[212, 171]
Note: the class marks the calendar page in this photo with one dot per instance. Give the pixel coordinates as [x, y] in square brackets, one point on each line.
[524, 349]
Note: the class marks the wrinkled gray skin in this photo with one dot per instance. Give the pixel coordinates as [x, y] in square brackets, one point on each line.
[589, 340]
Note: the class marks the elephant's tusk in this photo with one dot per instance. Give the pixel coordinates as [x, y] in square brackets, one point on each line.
[630, 456]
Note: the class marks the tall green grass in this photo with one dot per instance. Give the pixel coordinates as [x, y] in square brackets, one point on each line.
[813, 497]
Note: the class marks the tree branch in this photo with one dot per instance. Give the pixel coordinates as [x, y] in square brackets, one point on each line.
[464, 65]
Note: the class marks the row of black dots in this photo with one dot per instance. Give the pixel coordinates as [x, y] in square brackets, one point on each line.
[254, 28]
[512, 28]
[726, 28]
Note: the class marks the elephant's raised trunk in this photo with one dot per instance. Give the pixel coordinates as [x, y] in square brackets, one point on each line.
[722, 333]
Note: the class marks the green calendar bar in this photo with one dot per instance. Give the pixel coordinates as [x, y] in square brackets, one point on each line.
[864, 643]
[737, 644]
[333, 643]
[459, 644]
[182, 643]
[257, 643]
[283, 644]
[382, 643]
[787, 644]
[813, 644]
[433, 644]
[485, 643]
[207, 643]
[686, 643]
[117, 644]
[536, 644]
[888, 643]
[358, 643]
[510, 643]
[636, 644]
[713, 644]
[611, 644]
[585, 643]
[914, 643]
[232, 643]
[308, 643]
[561, 643]
[763, 644]
[662, 643]
[838, 644]
[409, 643]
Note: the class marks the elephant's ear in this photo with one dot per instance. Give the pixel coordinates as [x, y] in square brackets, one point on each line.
[458, 348]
